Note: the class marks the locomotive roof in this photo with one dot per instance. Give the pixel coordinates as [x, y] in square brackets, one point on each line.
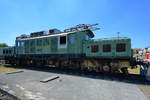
[9, 47]
[58, 34]
[111, 39]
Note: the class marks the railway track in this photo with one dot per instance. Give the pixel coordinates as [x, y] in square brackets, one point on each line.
[109, 76]
[101, 75]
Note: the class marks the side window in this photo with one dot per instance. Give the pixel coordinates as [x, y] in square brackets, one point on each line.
[121, 47]
[94, 48]
[106, 48]
[22, 43]
[72, 38]
[19, 43]
[62, 40]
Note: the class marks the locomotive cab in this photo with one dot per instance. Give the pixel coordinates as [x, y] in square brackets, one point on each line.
[108, 54]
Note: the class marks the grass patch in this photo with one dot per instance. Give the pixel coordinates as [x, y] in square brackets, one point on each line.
[134, 71]
[4, 69]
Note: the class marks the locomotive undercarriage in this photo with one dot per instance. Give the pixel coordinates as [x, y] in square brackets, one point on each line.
[83, 64]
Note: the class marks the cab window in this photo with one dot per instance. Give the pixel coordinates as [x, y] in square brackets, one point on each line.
[106, 48]
[121, 47]
[94, 48]
[62, 40]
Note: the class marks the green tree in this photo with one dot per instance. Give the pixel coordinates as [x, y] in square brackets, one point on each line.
[3, 45]
[137, 52]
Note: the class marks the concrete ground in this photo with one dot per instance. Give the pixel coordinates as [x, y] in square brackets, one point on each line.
[27, 86]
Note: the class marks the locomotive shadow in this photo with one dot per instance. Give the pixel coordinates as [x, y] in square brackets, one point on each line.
[103, 76]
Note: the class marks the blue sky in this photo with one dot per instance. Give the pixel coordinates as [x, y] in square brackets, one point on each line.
[130, 17]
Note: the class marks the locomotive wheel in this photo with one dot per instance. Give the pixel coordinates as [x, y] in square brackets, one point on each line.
[106, 68]
[124, 71]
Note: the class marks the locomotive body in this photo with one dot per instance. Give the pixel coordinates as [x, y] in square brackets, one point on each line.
[71, 50]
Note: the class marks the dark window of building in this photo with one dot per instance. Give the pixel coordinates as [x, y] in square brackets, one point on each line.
[62, 39]
[3, 51]
[106, 48]
[121, 47]
[6, 51]
[94, 48]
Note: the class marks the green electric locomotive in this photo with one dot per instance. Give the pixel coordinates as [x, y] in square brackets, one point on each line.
[72, 49]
